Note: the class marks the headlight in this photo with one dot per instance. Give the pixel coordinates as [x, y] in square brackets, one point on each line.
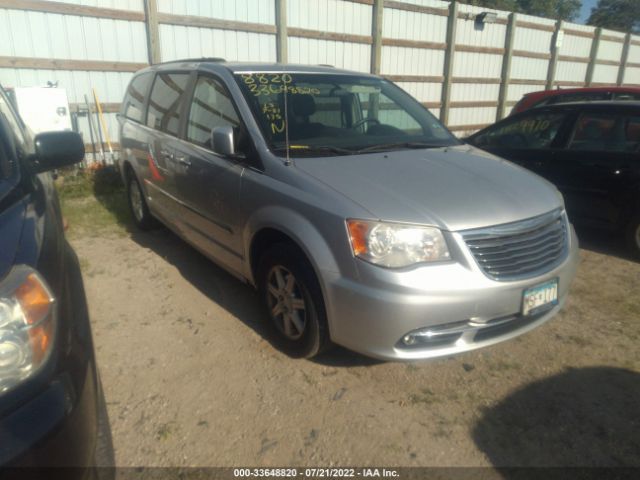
[396, 245]
[27, 325]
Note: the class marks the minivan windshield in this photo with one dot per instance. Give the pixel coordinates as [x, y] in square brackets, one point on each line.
[338, 114]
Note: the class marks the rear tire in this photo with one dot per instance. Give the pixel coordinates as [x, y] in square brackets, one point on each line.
[138, 205]
[293, 301]
[633, 237]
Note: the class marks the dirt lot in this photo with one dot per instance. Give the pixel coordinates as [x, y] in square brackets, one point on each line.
[191, 380]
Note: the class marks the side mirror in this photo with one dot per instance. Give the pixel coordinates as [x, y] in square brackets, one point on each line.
[222, 141]
[56, 150]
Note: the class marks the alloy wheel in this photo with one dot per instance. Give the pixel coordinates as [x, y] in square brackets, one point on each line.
[286, 303]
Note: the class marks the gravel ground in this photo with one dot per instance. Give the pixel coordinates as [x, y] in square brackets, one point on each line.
[191, 380]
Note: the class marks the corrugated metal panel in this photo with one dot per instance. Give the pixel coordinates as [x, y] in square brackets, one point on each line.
[526, 68]
[109, 85]
[413, 26]
[539, 20]
[571, 71]
[330, 16]
[632, 75]
[634, 51]
[574, 45]
[609, 50]
[411, 61]
[467, 64]
[472, 116]
[48, 35]
[352, 56]
[423, 92]
[192, 42]
[532, 40]
[467, 92]
[134, 5]
[605, 73]
[428, 3]
[255, 11]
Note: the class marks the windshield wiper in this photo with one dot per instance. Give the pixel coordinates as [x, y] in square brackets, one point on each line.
[296, 149]
[391, 146]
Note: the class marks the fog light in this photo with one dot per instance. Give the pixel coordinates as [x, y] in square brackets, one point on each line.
[409, 340]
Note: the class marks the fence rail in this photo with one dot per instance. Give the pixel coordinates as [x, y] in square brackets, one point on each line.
[468, 72]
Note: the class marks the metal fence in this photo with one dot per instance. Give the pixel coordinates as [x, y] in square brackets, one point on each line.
[468, 72]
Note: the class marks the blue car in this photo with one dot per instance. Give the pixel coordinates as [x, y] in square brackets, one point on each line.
[52, 410]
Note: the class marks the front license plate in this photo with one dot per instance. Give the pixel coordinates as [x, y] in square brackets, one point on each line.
[540, 298]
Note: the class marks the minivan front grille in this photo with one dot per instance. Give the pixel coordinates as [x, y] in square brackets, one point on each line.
[521, 249]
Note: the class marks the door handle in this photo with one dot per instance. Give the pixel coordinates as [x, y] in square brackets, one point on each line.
[183, 160]
[166, 154]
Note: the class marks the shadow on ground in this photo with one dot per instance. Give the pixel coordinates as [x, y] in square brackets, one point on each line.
[238, 298]
[604, 242]
[582, 417]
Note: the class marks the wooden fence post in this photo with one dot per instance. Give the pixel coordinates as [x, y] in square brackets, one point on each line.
[555, 51]
[624, 59]
[593, 57]
[153, 33]
[376, 34]
[452, 23]
[506, 66]
[282, 55]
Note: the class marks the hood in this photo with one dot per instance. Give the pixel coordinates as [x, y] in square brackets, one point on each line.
[454, 188]
[11, 222]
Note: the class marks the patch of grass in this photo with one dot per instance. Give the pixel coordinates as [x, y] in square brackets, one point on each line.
[94, 203]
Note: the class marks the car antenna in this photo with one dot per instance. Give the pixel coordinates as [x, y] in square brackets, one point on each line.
[287, 161]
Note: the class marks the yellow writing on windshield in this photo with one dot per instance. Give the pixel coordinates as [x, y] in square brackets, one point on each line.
[274, 84]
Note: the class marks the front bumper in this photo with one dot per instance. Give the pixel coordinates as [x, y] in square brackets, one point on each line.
[373, 314]
[57, 428]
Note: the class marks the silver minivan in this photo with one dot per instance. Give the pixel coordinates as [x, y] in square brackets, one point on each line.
[358, 216]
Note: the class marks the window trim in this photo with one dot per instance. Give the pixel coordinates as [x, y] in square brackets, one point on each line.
[187, 92]
[145, 101]
[249, 160]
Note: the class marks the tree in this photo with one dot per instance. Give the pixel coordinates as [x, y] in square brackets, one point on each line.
[556, 9]
[621, 15]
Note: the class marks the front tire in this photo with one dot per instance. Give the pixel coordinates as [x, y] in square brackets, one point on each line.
[138, 205]
[293, 299]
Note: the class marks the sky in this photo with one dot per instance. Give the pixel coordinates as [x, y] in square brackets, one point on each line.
[586, 10]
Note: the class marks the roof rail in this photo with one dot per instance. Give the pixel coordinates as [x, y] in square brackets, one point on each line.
[326, 65]
[201, 59]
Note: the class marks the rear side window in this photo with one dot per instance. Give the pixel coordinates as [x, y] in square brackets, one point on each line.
[166, 101]
[211, 107]
[133, 103]
[606, 132]
[536, 130]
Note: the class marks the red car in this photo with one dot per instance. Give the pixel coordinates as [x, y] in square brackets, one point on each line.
[590, 94]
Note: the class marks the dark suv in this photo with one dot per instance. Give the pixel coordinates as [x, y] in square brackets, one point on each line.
[589, 150]
[51, 404]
